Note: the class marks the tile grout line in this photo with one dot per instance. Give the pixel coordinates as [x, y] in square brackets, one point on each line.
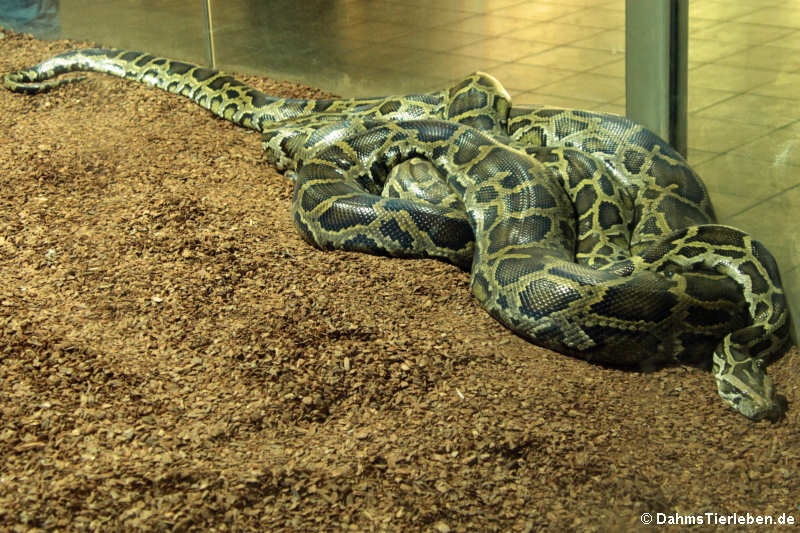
[764, 200]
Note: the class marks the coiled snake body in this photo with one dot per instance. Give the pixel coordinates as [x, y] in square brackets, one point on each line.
[583, 232]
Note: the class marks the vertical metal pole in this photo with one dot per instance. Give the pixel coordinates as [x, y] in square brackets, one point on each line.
[656, 45]
[210, 53]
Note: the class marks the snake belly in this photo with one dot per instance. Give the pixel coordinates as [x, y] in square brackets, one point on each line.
[583, 232]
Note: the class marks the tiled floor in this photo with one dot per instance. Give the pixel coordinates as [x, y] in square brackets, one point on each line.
[744, 60]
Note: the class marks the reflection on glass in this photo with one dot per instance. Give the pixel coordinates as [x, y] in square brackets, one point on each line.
[743, 119]
[39, 17]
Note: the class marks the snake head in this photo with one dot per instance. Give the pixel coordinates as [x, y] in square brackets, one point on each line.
[743, 384]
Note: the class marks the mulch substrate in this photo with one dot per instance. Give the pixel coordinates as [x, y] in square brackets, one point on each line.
[173, 357]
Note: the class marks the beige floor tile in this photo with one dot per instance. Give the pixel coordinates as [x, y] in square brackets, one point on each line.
[788, 41]
[699, 23]
[761, 4]
[587, 86]
[437, 41]
[701, 97]
[768, 221]
[534, 98]
[764, 56]
[781, 147]
[706, 50]
[774, 16]
[372, 56]
[502, 48]
[610, 107]
[750, 34]
[570, 58]
[620, 100]
[607, 40]
[784, 85]
[727, 205]
[615, 68]
[555, 33]
[719, 10]
[751, 179]
[791, 286]
[606, 4]
[442, 64]
[527, 77]
[788, 203]
[241, 16]
[372, 31]
[696, 157]
[489, 25]
[595, 17]
[725, 78]
[755, 109]
[613, 5]
[473, 6]
[360, 82]
[537, 11]
[401, 16]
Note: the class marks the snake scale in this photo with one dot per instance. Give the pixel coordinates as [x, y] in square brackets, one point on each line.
[583, 232]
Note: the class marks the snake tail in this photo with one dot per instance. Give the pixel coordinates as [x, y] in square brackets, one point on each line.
[223, 95]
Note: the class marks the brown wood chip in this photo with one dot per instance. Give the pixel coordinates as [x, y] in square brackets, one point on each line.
[174, 357]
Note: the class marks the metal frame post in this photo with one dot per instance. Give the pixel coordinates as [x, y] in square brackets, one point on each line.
[210, 52]
[656, 45]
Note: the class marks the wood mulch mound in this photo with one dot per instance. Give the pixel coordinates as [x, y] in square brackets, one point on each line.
[174, 357]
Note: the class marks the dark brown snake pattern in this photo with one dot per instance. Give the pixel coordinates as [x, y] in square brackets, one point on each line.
[583, 232]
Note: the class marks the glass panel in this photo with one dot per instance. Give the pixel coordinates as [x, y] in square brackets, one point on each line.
[744, 106]
[656, 43]
[744, 122]
[175, 28]
[32, 16]
[542, 52]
